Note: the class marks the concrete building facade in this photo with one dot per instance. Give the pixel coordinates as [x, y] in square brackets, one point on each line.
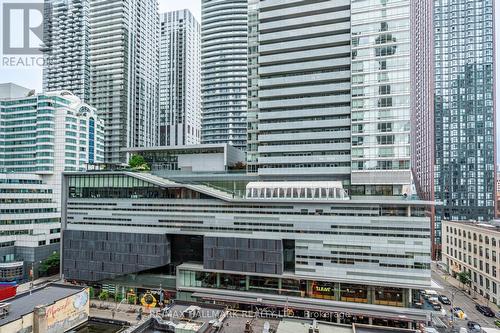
[302, 86]
[180, 79]
[124, 59]
[308, 241]
[474, 248]
[29, 224]
[334, 89]
[41, 136]
[66, 47]
[224, 61]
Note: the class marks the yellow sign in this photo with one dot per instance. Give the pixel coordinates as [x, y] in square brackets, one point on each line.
[148, 300]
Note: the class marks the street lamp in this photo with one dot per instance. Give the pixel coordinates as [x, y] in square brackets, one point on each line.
[452, 299]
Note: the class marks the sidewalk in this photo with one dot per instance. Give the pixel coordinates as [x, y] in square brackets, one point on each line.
[469, 292]
[26, 286]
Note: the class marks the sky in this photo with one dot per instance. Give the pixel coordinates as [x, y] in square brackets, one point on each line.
[31, 77]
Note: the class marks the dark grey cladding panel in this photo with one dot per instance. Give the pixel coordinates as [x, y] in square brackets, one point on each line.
[243, 254]
[94, 256]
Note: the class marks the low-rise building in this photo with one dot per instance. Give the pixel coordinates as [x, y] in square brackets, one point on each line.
[51, 308]
[474, 248]
[307, 245]
[29, 224]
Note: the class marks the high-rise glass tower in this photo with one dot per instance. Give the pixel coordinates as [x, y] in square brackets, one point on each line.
[224, 71]
[66, 49]
[464, 110]
[124, 53]
[333, 88]
[381, 89]
[300, 91]
[180, 79]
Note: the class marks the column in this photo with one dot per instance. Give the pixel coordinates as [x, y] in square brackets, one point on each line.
[217, 280]
[371, 294]
[40, 319]
[337, 291]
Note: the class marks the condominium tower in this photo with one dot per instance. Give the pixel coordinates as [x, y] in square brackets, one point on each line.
[124, 57]
[66, 47]
[332, 95]
[465, 110]
[224, 71]
[180, 79]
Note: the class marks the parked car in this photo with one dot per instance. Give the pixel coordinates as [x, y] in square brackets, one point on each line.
[444, 300]
[485, 310]
[473, 326]
[435, 305]
[459, 313]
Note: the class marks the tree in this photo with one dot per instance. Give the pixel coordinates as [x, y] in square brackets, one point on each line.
[103, 295]
[464, 278]
[238, 166]
[137, 162]
[50, 266]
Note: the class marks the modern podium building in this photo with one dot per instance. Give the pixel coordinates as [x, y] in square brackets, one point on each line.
[306, 242]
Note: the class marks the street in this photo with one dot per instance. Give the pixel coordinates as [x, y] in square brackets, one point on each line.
[462, 300]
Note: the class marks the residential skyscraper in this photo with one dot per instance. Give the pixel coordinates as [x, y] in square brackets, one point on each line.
[464, 110]
[180, 79]
[66, 50]
[224, 71]
[124, 57]
[332, 92]
[303, 89]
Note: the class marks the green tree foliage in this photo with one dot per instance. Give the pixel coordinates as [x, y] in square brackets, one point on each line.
[137, 162]
[103, 295]
[464, 278]
[50, 266]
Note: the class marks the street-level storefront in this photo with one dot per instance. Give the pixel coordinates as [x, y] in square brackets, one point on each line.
[327, 290]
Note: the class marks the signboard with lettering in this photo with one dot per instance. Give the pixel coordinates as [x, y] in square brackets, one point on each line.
[68, 313]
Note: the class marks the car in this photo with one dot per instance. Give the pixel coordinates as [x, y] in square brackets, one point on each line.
[435, 305]
[459, 313]
[473, 326]
[497, 323]
[444, 300]
[485, 310]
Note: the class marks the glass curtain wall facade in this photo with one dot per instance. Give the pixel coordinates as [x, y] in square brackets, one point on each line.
[124, 57]
[464, 110]
[381, 102]
[224, 63]
[180, 79]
